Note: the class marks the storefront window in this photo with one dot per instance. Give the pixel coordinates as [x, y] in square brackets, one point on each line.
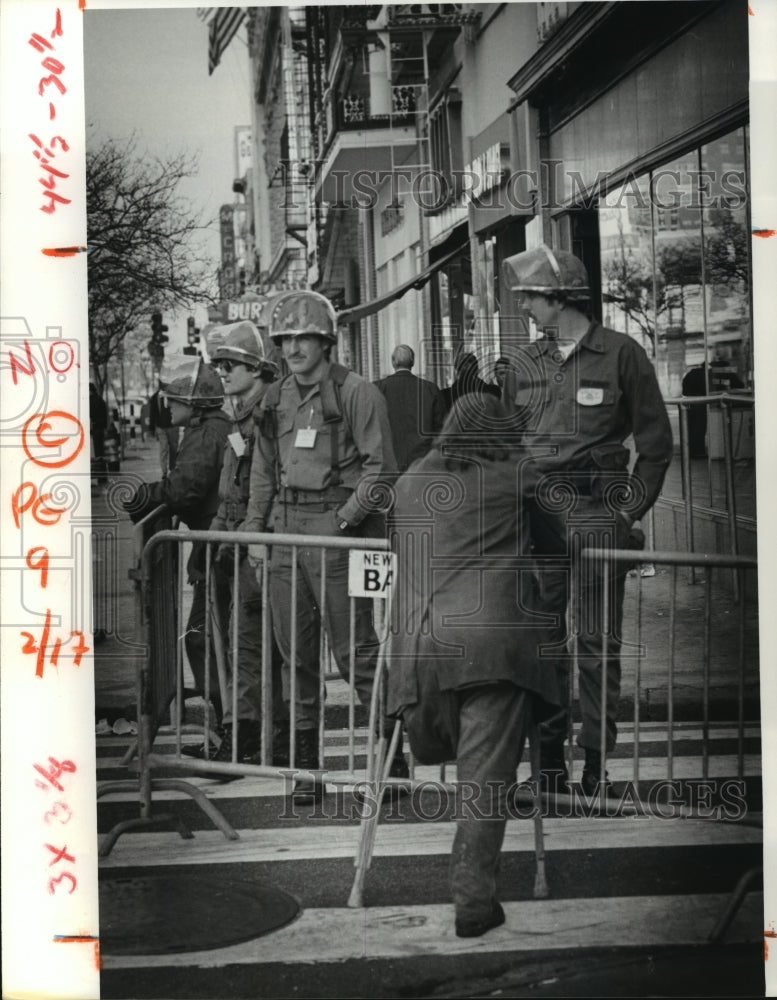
[675, 263]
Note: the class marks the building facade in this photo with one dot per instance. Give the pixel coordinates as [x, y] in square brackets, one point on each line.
[447, 137]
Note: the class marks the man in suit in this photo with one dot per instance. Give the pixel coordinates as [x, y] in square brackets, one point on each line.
[415, 408]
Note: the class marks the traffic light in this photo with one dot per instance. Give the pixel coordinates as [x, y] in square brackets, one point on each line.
[192, 333]
[156, 346]
[158, 329]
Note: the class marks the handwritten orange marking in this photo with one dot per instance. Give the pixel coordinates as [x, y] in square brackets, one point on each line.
[44, 425]
[64, 251]
[82, 939]
[764, 233]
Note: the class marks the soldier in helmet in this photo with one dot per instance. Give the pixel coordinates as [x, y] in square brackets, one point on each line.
[246, 374]
[324, 442]
[579, 391]
[195, 397]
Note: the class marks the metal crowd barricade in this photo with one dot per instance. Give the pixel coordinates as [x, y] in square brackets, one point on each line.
[160, 680]
[724, 408]
[602, 803]
[609, 560]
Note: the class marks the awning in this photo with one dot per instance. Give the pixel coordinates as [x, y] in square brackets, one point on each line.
[355, 313]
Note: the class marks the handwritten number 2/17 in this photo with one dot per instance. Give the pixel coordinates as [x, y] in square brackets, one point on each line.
[42, 650]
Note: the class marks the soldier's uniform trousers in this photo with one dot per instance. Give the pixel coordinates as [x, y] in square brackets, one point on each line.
[588, 525]
[248, 640]
[317, 520]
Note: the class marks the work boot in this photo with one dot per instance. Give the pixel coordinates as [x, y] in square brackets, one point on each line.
[592, 770]
[554, 776]
[306, 759]
[466, 927]
[249, 742]
[280, 744]
[205, 751]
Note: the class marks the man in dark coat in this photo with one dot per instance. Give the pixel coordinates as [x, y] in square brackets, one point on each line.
[195, 397]
[415, 408]
[465, 672]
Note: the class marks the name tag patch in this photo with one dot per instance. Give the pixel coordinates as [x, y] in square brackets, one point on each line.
[306, 437]
[590, 396]
[238, 443]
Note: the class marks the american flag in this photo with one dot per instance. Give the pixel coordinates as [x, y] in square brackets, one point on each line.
[222, 29]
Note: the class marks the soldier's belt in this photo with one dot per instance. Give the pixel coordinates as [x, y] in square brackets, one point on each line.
[329, 497]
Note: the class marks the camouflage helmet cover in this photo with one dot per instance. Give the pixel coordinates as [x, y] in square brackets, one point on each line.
[547, 272]
[195, 384]
[300, 313]
[240, 342]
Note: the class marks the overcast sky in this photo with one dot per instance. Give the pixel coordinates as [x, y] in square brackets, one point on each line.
[146, 72]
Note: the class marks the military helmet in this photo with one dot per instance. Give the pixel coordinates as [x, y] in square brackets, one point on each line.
[195, 384]
[240, 342]
[300, 313]
[547, 272]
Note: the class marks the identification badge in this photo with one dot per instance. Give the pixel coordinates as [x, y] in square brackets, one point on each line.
[238, 443]
[590, 396]
[306, 437]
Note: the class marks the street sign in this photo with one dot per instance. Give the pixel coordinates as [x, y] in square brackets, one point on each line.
[370, 572]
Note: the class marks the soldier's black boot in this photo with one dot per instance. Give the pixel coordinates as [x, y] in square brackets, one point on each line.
[205, 751]
[554, 776]
[592, 772]
[306, 759]
[280, 744]
[249, 742]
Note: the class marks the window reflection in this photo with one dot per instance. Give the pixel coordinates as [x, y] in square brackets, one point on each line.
[675, 265]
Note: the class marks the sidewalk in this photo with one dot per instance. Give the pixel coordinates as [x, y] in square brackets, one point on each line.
[118, 657]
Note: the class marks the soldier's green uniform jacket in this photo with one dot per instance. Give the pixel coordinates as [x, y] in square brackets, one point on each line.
[235, 472]
[575, 412]
[294, 448]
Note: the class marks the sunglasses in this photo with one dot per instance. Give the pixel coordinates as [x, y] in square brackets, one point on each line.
[226, 365]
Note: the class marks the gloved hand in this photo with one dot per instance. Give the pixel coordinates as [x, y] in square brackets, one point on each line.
[257, 554]
[139, 503]
[225, 556]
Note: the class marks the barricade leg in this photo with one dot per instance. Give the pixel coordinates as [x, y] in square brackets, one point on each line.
[541, 890]
[737, 897]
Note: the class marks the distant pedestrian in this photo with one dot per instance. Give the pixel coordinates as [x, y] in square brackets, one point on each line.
[415, 408]
[465, 672]
[98, 427]
[578, 393]
[190, 491]
[467, 380]
[161, 426]
[322, 448]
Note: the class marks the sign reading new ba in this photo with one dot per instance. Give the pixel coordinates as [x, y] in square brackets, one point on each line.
[370, 572]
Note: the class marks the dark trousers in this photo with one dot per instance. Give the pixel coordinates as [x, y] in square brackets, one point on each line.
[335, 612]
[246, 643]
[493, 726]
[591, 525]
[195, 648]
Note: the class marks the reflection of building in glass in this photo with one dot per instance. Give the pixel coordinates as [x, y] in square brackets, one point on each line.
[680, 278]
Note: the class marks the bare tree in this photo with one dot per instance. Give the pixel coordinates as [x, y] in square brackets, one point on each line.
[145, 254]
